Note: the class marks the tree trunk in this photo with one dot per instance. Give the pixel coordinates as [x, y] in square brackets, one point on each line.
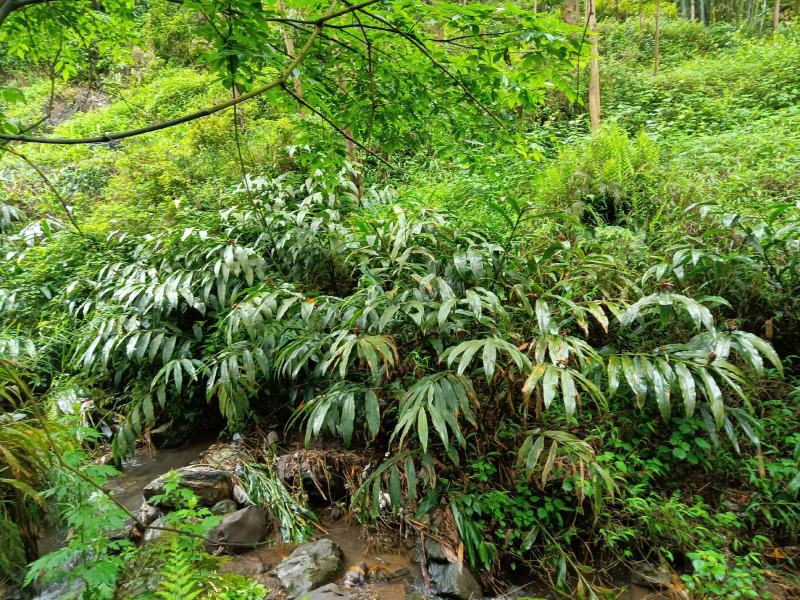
[776, 16]
[571, 11]
[351, 149]
[657, 51]
[594, 73]
[289, 43]
[692, 14]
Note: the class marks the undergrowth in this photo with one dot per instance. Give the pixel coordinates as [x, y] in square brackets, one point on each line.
[571, 353]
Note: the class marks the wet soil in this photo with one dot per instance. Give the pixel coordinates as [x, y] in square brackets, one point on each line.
[391, 562]
[398, 576]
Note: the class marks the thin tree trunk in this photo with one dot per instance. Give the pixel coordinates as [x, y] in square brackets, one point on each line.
[535, 6]
[289, 43]
[351, 149]
[776, 16]
[594, 73]
[692, 9]
[571, 11]
[703, 11]
[657, 51]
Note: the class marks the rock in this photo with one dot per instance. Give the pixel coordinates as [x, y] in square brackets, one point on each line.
[209, 484]
[226, 457]
[326, 592]
[106, 459]
[356, 575]
[451, 582]
[273, 585]
[121, 533]
[243, 528]
[63, 589]
[246, 565]
[225, 507]
[434, 551]
[148, 514]
[650, 576]
[150, 535]
[309, 567]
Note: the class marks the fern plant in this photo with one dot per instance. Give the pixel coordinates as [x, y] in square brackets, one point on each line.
[178, 577]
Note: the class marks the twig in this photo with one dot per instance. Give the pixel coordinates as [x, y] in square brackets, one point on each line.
[424, 50]
[278, 82]
[50, 185]
[346, 135]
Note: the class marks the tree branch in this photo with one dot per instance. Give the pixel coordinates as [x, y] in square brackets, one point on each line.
[346, 135]
[421, 47]
[49, 184]
[108, 137]
[9, 6]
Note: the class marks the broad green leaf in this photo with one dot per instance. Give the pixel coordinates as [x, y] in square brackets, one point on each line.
[489, 356]
[348, 416]
[568, 392]
[372, 412]
[422, 429]
[687, 387]
[714, 396]
[549, 385]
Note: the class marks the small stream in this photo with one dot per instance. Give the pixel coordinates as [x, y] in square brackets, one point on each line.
[137, 472]
[394, 557]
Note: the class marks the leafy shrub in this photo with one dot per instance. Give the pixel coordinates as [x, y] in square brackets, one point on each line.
[608, 180]
[633, 44]
[707, 95]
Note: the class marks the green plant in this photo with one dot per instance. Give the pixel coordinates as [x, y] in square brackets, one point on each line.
[94, 555]
[264, 488]
[178, 577]
[713, 578]
[26, 458]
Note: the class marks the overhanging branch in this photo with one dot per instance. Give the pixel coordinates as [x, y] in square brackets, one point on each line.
[108, 137]
[344, 134]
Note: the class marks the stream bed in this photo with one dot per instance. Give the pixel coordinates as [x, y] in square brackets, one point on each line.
[400, 578]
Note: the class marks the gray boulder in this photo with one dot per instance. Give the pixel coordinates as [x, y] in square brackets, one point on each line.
[434, 551]
[650, 576]
[241, 529]
[309, 567]
[150, 535]
[225, 507]
[450, 581]
[148, 514]
[326, 592]
[209, 484]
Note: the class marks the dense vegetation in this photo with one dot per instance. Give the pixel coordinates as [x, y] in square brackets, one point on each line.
[567, 350]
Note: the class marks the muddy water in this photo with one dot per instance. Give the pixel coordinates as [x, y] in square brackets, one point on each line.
[146, 465]
[393, 560]
[137, 472]
[390, 560]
